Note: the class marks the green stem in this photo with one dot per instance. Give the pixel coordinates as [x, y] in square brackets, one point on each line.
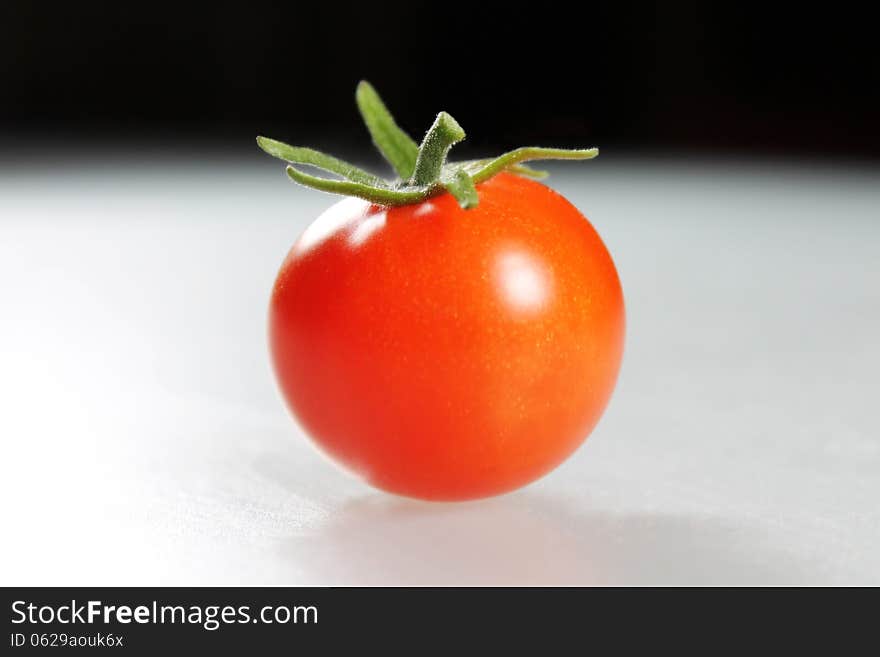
[435, 146]
[423, 170]
[461, 186]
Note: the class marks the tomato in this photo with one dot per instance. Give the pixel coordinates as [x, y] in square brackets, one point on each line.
[444, 353]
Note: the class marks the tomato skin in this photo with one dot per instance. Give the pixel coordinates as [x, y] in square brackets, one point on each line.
[449, 354]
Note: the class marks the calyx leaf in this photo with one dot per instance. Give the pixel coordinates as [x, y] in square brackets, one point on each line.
[423, 169]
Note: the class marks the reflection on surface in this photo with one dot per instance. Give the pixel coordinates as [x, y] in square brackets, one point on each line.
[366, 227]
[530, 539]
[330, 221]
[524, 282]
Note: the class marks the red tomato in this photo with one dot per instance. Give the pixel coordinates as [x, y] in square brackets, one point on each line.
[449, 354]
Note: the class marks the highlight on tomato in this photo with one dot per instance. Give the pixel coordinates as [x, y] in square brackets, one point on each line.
[451, 334]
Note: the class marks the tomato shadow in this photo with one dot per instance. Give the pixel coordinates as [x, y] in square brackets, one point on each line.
[530, 538]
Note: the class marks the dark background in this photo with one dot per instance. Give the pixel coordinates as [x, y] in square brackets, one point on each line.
[690, 76]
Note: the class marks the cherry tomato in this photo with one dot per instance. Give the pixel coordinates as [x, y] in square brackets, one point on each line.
[449, 354]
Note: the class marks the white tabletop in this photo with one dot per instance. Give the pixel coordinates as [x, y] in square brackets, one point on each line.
[144, 441]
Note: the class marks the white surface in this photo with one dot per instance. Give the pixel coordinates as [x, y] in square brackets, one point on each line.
[144, 441]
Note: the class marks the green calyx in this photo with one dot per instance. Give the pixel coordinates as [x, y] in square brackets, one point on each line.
[422, 169]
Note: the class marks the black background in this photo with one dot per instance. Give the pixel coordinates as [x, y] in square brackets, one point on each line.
[686, 76]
